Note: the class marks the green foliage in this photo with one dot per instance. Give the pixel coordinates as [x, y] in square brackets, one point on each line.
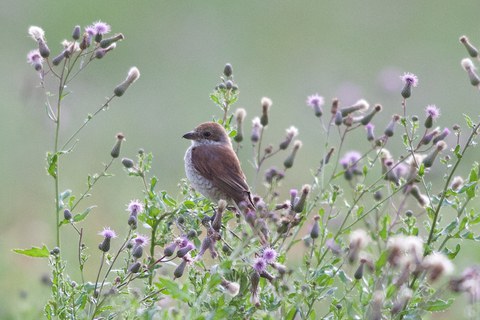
[371, 236]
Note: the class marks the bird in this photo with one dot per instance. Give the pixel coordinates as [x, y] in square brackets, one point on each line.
[213, 168]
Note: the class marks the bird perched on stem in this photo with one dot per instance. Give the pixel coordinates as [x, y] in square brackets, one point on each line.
[213, 168]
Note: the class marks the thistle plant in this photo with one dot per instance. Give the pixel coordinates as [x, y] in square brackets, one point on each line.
[371, 235]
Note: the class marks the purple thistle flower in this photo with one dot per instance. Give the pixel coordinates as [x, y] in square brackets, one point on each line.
[101, 27]
[108, 233]
[141, 240]
[350, 159]
[259, 264]
[34, 57]
[269, 255]
[135, 207]
[315, 100]
[90, 30]
[410, 79]
[432, 111]
[182, 242]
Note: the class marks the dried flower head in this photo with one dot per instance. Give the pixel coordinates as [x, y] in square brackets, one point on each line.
[437, 264]
[36, 33]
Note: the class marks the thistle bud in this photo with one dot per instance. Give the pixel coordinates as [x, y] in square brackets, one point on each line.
[76, 33]
[137, 252]
[128, 163]
[132, 222]
[288, 163]
[370, 135]
[217, 220]
[457, 183]
[366, 119]
[105, 43]
[43, 48]
[469, 67]
[67, 214]
[132, 76]
[441, 136]
[254, 281]
[232, 288]
[56, 60]
[338, 119]
[116, 148]
[359, 272]
[428, 137]
[472, 51]
[292, 132]
[183, 251]
[389, 130]
[178, 273]
[240, 115]
[256, 127]
[135, 267]
[170, 249]
[315, 231]
[360, 105]
[334, 108]
[100, 53]
[228, 70]
[85, 43]
[430, 158]
[300, 204]
[266, 104]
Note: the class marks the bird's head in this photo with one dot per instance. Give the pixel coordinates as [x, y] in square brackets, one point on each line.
[208, 132]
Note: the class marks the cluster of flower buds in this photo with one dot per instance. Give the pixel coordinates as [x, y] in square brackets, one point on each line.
[267, 258]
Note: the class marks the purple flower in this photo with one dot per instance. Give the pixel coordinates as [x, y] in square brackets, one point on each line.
[34, 57]
[259, 264]
[432, 111]
[90, 30]
[269, 255]
[182, 242]
[100, 27]
[141, 240]
[108, 233]
[350, 159]
[135, 207]
[315, 101]
[410, 79]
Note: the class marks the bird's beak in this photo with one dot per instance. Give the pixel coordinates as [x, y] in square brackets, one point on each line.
[190, 135]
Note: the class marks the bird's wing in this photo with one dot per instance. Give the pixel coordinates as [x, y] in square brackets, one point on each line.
[209, 161]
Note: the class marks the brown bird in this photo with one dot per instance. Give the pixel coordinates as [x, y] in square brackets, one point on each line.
[212, 166]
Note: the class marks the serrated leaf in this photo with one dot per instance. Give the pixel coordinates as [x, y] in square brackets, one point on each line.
[35, 252]
[81, 216]
[382, 260]
[172, 288]
[438, 305]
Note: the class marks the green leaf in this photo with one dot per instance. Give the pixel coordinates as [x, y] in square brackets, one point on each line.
[382, 260]
[468, 121]
[438, 305]
[81, 216]
[457, 152]
[35, 252]
[421, 170]
[172, 288]
[52, 164]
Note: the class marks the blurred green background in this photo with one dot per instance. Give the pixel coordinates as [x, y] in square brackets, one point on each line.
[285, 50]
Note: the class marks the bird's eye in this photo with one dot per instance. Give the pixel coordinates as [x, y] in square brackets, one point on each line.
[207, 134]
